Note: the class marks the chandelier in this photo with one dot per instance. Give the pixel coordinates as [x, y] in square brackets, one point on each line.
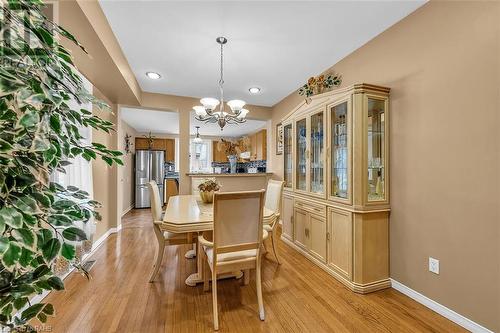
[209, 113]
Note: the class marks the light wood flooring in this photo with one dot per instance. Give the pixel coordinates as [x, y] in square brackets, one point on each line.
[298, 296]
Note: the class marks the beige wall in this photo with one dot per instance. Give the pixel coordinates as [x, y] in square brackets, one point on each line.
[442, 64]
[126, 176]
[104, 177]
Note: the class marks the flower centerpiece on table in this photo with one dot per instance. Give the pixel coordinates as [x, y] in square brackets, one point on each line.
[207, 189]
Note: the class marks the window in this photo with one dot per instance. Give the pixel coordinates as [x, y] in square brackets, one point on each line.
[200, 156]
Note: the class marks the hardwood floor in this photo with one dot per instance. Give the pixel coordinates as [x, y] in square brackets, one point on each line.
[298, 296]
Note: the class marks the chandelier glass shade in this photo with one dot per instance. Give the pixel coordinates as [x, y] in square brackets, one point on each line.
[213, 110]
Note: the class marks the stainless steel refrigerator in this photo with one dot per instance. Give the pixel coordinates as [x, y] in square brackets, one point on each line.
[149, 165]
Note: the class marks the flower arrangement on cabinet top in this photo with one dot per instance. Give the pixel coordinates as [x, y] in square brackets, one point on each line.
[316, 85]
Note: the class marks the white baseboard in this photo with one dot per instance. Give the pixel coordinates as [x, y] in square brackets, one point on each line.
[441, 309]
[128, 209]
[38, 298]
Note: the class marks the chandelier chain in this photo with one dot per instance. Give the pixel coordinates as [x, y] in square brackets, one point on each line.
[207, 113]
[221, 81]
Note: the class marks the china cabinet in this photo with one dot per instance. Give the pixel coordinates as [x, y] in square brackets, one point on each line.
[287, 155]
[336, 199]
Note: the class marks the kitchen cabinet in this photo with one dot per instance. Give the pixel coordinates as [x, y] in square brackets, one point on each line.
[337, 149]
[170, 150]
[167, 145]
[218, 156]
[141, 143]
[258, 146]
[171, 189]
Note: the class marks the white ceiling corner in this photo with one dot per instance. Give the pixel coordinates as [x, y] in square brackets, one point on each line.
[275, 45]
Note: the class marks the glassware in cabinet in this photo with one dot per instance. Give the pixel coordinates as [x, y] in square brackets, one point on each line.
[339, 151]
[301, 162]
[376, 149]
[287, 154]
[316, 148]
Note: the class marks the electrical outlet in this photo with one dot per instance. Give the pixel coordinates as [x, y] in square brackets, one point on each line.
[433, 265]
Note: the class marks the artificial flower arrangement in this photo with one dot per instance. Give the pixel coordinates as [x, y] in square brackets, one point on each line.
[209, 185]
[315, 85]
[207, 189]
[233, 148]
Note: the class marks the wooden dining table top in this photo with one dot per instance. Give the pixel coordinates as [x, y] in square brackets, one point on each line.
[187, 213]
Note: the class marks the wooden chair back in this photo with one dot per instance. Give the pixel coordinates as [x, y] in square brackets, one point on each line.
[273, 195]
[154, 197]
[237, 221]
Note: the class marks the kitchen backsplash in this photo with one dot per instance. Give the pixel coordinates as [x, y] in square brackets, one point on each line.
[242, 166]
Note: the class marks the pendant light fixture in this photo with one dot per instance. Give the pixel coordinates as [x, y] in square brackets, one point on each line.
[197, 138]
[208, 113]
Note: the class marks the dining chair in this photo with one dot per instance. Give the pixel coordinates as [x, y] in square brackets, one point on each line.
[273, 203]
[237, 239]
[164, 237]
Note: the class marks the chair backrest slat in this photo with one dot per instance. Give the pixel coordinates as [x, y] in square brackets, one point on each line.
[238, 220]
[154, 197]
[273, 195]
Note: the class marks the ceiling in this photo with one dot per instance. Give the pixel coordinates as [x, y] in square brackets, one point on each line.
[274, 45]
[162, 122]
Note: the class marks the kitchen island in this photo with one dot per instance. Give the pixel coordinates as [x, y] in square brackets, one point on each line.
[232, 182]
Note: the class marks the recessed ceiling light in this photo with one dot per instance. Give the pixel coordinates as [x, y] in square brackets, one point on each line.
[153, 75]
[254, 90]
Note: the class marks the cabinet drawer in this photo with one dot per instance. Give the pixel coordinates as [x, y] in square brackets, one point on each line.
[317, 209]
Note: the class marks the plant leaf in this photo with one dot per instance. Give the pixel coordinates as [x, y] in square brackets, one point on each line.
[32, 311]
[56, 283]
[74, 234]
[50, 249]
[24, 237]
[68, 251]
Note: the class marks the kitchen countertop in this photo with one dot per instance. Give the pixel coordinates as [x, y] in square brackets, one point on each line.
[258, 174]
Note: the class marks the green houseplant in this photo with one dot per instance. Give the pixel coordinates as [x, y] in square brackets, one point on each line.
[38, 135]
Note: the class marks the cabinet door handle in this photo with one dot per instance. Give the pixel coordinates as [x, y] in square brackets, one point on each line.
[307, 232]
[327, 236]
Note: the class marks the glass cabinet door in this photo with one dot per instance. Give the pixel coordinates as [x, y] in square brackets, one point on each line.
[339, 151]
[287, 154]
[301, 165]
[316, 148]
[376, 149]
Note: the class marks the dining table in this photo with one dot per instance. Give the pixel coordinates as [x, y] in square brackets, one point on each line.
[188, 214]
